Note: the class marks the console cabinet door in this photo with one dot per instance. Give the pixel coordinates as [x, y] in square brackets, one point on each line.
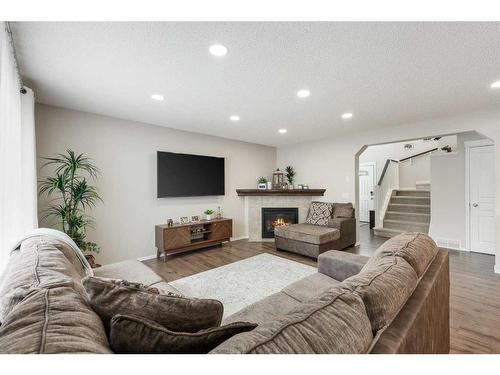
[174, 238]
[222, 230]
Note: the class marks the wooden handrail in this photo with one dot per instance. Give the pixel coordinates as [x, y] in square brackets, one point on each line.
[420, 154]
[385, 170]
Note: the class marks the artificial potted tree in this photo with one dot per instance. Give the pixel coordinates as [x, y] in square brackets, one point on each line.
[72, 196]
[290, 176]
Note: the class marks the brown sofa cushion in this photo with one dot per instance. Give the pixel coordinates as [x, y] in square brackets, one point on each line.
[109, 298]
[335, 322]
[309, 287]
[40, 262]
[309, 233]
[340, 265]
[384, 285]
[343, 210]
[319, 213]
[418, 249]
[54, 320]
[132, 334]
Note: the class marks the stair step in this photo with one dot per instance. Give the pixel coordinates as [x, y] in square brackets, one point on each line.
[413, 193]
[410, 200]
[413, 208]
[408, 226]
[386, 232]
[408, 216]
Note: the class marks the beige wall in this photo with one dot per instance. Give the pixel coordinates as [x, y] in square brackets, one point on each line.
[125, 151]
[331, 163]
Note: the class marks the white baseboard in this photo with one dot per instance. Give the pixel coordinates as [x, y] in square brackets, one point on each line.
[147, 257]
[455, 248]
[239, 238]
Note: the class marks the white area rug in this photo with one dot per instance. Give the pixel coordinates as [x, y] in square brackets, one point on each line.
[242, 283]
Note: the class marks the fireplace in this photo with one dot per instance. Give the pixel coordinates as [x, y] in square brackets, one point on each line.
[273, 217]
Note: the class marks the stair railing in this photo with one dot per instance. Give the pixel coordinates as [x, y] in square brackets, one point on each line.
[388, 182]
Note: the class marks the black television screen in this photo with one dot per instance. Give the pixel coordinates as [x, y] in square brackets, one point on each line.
[184, 175]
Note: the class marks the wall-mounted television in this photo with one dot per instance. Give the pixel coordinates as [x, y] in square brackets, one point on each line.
[185, 175]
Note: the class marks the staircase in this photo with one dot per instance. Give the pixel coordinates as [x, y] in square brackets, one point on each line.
[408, 211]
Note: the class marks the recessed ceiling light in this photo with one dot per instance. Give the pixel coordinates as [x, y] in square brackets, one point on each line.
[282, 131]
[157, 97]
[495, 85]
[346, 116]
[304, 93]
[218, 50]
[234, 118]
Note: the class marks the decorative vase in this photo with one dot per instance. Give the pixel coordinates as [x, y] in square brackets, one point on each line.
[269, 185]
[262, 186]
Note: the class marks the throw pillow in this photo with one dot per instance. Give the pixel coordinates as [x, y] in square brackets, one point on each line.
[319, 213]
[133, 334]
[111, 297]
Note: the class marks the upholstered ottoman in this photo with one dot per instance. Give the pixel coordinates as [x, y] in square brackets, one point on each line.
[305, 239]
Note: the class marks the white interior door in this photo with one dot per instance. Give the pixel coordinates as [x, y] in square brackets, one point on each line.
[366, 186]
[482, 199]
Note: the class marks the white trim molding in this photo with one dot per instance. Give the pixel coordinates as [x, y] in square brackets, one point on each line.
[239, 238]
[497, 268]
[147, 257]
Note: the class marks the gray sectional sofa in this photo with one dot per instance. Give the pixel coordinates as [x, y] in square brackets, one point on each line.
[394, 302]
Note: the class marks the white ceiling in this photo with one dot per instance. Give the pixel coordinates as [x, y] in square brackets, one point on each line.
[385, 73]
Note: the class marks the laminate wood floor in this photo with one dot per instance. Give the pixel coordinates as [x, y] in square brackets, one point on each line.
[474, 294]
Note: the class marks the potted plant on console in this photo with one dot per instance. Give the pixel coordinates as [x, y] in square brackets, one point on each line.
[208, 214]
[72, 196]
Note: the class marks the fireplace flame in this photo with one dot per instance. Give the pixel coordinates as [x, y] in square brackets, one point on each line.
[279, 222]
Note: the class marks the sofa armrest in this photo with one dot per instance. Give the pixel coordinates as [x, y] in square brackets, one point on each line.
[343, 224]
[340, 265]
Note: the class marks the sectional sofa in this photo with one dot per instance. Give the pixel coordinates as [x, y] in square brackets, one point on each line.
[394, 302]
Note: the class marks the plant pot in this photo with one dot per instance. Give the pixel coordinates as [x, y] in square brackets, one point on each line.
[262, 186]
[209, 217]
[91, 259]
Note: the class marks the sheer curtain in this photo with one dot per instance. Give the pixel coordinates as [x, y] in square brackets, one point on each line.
[18, 197]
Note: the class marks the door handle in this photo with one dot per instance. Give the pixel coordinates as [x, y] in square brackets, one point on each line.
[475, 204]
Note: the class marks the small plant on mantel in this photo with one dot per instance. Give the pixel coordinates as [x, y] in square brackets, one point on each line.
[262, 183]
[262, 180]
[290, 175]
[72, 196]
[208, 213]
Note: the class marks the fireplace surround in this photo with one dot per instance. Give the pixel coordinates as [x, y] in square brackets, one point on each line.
[256, 199]
[277, 216]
